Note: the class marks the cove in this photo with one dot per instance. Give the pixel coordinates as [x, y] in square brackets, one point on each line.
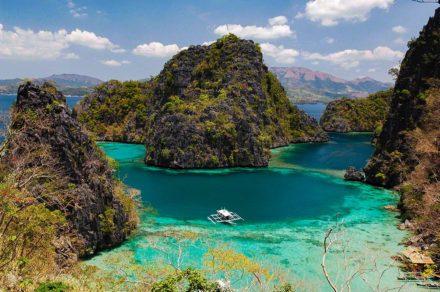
[287, 208]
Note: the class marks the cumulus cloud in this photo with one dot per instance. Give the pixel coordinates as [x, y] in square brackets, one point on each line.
[76, 11]
[279, 53]
[399, 29]
[277, 28]
[331, 12]
[351, 58]
[114, 63]
[41, 45]
[27, 44]
[156, 49]
[91, 40]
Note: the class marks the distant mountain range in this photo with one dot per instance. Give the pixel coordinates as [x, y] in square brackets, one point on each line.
[69, 84]
[307, 86]
[302, 85]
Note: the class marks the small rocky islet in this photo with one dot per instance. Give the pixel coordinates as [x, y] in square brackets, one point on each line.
[210, 107]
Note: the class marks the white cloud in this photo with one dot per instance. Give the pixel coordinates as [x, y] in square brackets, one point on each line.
[372, 70]
[71, 56]
[156, 49]
[43, 45]
[329, 40]
[76, 11]
[279, 53]
[208, 43]
[399, 29]
[91, 40]
[331, 12]
[27, 44]
[277, 28]
[277, 20]
[114, 63]
[348, 59]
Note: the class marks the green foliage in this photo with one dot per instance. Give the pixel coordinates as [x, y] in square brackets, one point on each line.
[28, 231]
[106, 220]
[52, 286]
[380, 176]
[194, 281]
[361, 115]
[421, 96]
[113, 105]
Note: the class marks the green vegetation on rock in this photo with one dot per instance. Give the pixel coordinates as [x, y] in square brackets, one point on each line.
[58, 197]
[407, 155]
[211, 106]
[357, 115]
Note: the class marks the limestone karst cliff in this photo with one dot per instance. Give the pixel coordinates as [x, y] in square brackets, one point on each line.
[211, 106]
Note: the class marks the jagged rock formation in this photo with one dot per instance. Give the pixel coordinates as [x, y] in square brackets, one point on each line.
[356, 115]
[352, 174]
[211, 106]
[47, 156]
[407, 152]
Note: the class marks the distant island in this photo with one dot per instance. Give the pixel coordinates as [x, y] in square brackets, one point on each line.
[69, 84]
[307, 86]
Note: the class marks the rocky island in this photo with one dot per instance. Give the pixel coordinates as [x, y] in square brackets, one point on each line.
[357, 115]
[407, 155]
[59, 194]
[211, 106]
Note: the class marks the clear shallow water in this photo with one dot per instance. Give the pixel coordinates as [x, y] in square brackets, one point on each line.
[287, 209]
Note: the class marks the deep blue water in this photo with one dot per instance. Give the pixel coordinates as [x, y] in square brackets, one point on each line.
[287, 208]
[314, 110]
[295, 192]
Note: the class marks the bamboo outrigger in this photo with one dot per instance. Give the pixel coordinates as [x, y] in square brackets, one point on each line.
[224, 216]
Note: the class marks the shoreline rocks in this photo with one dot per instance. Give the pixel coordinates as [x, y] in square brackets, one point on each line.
[352, 174]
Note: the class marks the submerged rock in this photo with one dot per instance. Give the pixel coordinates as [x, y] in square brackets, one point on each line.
[210, 107]
[48, 156]
[352, 174]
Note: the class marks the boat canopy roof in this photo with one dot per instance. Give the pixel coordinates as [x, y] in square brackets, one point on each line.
[224, 213]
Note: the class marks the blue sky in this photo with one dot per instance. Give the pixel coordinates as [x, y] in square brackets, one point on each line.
[133, 39]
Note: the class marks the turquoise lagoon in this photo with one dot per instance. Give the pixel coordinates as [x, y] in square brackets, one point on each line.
[287, 207]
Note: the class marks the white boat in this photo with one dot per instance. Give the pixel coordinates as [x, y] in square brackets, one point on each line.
[224, 216]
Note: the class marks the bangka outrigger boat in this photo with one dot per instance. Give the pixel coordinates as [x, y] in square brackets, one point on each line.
[224, 216]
